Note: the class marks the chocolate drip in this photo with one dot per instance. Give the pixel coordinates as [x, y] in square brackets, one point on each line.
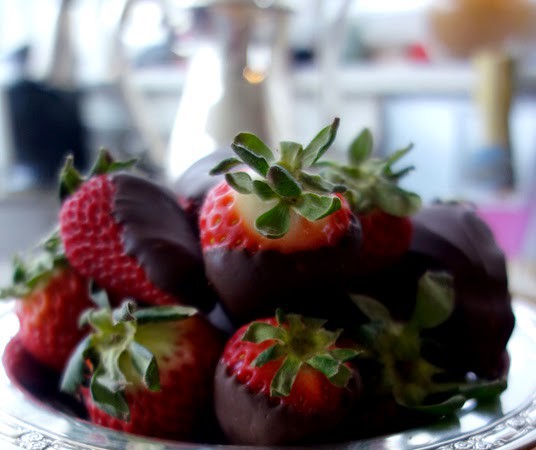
[157, 233]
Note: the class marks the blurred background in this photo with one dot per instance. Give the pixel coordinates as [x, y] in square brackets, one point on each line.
[168, 81]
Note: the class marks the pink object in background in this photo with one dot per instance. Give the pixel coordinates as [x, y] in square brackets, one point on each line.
[509, 224]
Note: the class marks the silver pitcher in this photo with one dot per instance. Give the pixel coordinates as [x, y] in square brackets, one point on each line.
[237, 79]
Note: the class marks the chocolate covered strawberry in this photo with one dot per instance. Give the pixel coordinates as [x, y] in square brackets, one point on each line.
[50, 296]
[284, 379]
[276, 229]
[383, 208]
[403, 354]
[130, 236]
[150, 370]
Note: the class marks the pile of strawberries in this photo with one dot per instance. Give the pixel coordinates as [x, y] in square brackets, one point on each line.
[121, 299]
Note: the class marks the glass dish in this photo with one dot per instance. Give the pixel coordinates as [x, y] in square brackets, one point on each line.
[507, 423]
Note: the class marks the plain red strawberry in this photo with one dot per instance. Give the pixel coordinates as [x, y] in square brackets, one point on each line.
[50, 296]
[152, 370]
[277, 369]
[48, 317]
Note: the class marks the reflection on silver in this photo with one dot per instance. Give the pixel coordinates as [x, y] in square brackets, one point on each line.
[509, 423]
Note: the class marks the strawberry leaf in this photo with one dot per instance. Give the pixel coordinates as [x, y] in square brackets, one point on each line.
[263, 190]
[395, 157]
[70, 179]
[282, 181]
[344, 354]
[105, 163]
[435, 300]
[73, 374]
[361, 148]
[325, 364]
[394, 200]
[259, 332]
[119, 351]
[299, 340]
[372, 308]
[145, 364]
[254, 145]
[313, 323]
[166, 313]
[30, 273]
[253, 152]
[240, 182]
[319, 145]
[484, 390]
[285, 376]
[111, 401]
[372, 182]
[318, 184]
[444, 408]
[280, 316]
[275, 222]
[19, 271]
[272, 353]
[289, 152]
[341, 377]
[225, 166]
[315, 207]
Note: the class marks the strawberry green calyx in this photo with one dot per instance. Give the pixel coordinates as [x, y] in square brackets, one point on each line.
[413, 381]
[71, 179]
[285, 180]
[118, 349]
[373, 182]
[300, 341]
[41, 265]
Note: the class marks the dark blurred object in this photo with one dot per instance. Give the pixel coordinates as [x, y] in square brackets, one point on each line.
[45, 112]
[46, 126]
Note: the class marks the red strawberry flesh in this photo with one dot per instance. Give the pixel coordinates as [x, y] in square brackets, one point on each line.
[48, 317]
[227, 220]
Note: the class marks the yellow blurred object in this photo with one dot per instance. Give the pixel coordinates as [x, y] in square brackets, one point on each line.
[493, 94]
[464, 27]
[489, 33]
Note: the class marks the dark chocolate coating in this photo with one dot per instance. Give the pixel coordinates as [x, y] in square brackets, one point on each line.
[453, 237]
[253, 285]
[249, 418]
[157, 233]
[192, 186]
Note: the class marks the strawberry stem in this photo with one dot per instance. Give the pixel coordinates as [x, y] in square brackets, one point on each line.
[406, 374]
[300, 341]
[285, 180]
[118, 354]
[372, 182]
[71, 179]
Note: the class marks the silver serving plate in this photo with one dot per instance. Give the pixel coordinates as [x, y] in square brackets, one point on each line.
[508, 423]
